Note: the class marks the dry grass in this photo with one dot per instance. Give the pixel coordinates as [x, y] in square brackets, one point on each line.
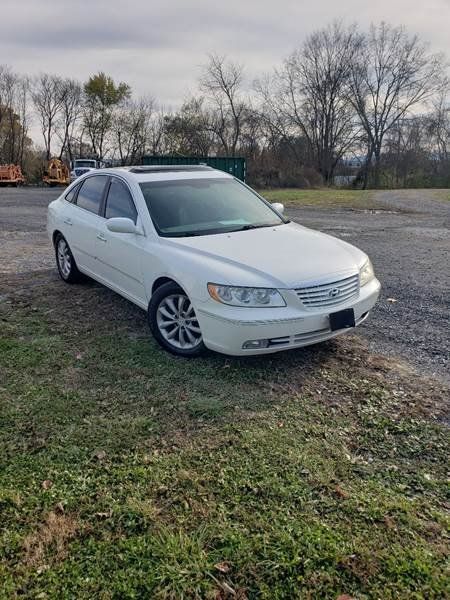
[50, 538]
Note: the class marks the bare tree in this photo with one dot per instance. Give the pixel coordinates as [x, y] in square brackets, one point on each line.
[439, 126]
[14, 116]
[3, 105]
[48, 99]
[131, 129]
[188, 131]
[276, 122]
[22, 110]
[70, 114]
[308, 96]
[221, 82]
[323, 68]
[156, 138]
[393, 75]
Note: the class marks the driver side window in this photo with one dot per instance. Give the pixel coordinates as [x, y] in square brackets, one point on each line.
[119, 202]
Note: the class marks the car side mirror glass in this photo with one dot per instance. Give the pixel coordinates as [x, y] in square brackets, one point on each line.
[121, 225]
[278, 207]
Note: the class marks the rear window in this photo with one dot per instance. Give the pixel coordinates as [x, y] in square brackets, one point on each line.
[72, 194]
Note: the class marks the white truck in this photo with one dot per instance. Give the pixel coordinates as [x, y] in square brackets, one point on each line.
[80, 166]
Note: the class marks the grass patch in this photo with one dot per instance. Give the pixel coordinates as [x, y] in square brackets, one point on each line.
[126, 472]
[341, 198]
[325, 197]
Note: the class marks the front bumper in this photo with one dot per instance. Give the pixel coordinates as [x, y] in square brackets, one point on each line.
[225, 329]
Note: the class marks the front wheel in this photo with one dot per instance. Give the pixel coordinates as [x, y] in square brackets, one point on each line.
[173, 321]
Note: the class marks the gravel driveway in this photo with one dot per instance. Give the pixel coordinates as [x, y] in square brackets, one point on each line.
[409, 244]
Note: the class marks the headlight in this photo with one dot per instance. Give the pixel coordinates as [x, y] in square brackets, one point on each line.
[245, 296]
[366, 273]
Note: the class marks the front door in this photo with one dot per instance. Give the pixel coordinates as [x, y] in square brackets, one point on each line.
[119, 255]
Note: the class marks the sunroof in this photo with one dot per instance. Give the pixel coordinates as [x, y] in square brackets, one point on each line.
[162, 168]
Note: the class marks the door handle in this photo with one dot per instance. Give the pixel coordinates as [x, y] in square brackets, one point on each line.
[68, 222]
[101, 237]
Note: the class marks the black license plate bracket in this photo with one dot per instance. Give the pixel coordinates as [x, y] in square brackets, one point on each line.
[343, 319]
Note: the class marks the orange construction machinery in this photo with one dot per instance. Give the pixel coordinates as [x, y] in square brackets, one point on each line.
[11, 175]
[56, 173]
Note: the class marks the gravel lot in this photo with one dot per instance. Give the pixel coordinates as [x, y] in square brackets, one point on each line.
[409, 244]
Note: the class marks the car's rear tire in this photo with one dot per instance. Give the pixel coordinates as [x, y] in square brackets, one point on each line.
[173, 321]
[67, 267]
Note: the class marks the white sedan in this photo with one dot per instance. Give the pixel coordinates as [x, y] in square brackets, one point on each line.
[213, 264]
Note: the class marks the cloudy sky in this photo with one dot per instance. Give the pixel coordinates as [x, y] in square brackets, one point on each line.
[158, 46]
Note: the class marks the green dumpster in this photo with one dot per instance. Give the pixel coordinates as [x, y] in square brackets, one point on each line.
[230, 164]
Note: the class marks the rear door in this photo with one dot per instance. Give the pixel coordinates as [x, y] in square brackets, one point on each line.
[119, 255]
[82, 219]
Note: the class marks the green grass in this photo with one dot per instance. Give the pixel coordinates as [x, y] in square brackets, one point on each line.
[325, 197]
[339, 198]
[128, 473]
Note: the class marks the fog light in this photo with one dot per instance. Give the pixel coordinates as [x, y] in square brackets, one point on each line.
[255, 344]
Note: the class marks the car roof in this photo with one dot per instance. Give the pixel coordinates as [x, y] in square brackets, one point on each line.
[143, 173]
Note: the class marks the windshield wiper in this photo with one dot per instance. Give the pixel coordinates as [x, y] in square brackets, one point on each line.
[182, 234]
[202, 232]
[253, 226]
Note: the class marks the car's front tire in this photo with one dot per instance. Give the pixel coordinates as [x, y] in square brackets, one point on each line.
[173, 321]
[67, 267]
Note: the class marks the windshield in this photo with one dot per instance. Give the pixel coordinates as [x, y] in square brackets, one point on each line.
[205, 206]
[85, 163]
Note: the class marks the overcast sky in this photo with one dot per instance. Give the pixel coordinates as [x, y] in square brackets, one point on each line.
[158, 46]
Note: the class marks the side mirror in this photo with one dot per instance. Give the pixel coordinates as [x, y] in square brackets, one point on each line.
[121, 225]
[278, 207]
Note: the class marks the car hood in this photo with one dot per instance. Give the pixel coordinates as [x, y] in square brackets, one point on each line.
[287, 255]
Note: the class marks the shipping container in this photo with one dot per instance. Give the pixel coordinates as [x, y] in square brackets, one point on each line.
[233, 165]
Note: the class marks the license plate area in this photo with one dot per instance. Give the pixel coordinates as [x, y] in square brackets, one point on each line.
[343, 319]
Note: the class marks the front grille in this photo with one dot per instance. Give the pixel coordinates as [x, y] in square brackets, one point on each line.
[329, 294]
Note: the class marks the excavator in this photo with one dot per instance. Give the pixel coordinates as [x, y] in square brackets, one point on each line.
[56, 173]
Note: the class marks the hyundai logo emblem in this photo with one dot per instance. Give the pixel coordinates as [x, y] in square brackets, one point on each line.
[334, 292]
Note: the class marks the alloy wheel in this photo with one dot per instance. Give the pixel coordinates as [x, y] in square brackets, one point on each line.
[178, 323]
[64, 258]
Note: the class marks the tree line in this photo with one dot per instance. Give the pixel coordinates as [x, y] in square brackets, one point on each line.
[368, 106]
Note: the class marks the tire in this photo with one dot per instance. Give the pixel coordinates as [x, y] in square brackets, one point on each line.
[67, 267]
[173, 322]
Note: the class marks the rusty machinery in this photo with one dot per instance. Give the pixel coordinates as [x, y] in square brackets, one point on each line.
[11, 175]
[56, 173]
